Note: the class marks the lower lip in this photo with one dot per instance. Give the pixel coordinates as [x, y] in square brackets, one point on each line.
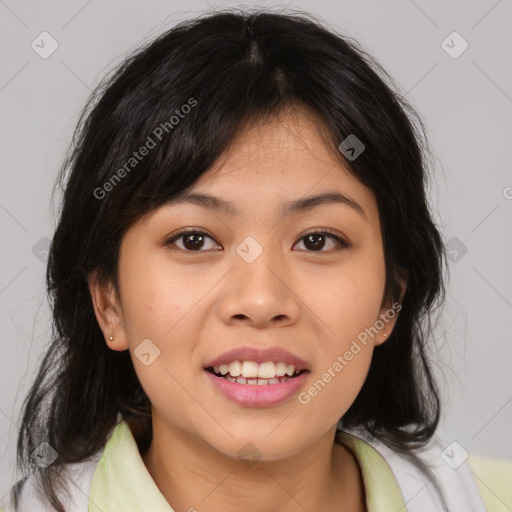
[253, 395]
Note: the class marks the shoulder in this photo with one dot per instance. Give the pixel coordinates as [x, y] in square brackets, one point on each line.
[78, 478]
[494, 480]
[26, 496]
[440, 476]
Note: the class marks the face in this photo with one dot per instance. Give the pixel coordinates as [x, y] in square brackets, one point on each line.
[306, 284]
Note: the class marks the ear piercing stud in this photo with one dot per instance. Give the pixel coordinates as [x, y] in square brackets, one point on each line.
[111, 338]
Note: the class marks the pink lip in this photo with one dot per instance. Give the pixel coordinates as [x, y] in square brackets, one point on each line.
[259, 356]
[253, 395]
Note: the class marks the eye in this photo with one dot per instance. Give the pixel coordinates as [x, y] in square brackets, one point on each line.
[315, 241]
[194, 240]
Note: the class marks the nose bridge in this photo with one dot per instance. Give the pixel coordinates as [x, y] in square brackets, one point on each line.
[257, 288]
[253, 264]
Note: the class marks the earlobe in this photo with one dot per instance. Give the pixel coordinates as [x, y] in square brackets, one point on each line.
[107, 312]
[389, 316]
[380, 338]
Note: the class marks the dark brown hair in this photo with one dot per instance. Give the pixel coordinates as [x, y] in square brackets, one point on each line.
[237, 67]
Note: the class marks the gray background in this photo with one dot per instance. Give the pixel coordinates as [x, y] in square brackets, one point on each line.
[466, 103]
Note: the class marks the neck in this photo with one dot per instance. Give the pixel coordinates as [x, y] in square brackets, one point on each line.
[193, 475]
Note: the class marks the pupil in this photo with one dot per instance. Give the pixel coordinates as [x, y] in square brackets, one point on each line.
[315, 236]
[196, 238]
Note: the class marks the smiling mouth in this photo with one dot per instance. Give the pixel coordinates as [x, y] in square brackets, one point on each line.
[255, 381]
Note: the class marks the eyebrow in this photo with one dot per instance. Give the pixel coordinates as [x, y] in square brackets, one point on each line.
[298, 205]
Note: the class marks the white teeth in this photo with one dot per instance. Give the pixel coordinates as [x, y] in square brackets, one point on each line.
[273, 381]
[252, 381]
[241, 380]
[235, 368]
[280, 369]
[267, 370]
[249, 369]
[253, 370]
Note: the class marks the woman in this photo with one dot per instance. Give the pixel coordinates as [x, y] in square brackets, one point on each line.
[242, 281]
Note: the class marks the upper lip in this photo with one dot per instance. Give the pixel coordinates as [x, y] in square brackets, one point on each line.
[275, 354]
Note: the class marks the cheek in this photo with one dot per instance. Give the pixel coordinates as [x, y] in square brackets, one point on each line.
[160, 307]
[348, 304]
[347, 300]
[156, 299]
[159, 313]
[337, 383]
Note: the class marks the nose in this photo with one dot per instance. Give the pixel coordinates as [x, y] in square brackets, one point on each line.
[260, 294]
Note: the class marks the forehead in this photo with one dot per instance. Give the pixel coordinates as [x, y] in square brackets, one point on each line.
[282, 160]
[281, 141]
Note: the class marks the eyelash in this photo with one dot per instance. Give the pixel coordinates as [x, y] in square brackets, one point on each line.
[342, 243]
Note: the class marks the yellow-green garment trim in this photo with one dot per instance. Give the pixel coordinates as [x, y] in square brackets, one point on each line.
[122, 482]
[381, 489]
[494, 481]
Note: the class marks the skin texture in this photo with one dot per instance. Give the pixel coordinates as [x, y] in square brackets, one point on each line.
[196, 305]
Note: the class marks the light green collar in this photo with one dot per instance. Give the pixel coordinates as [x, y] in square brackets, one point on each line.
[121, 481]
[381, 488]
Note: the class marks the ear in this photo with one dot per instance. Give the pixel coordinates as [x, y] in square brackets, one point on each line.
[389, 315]
[108, 312]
